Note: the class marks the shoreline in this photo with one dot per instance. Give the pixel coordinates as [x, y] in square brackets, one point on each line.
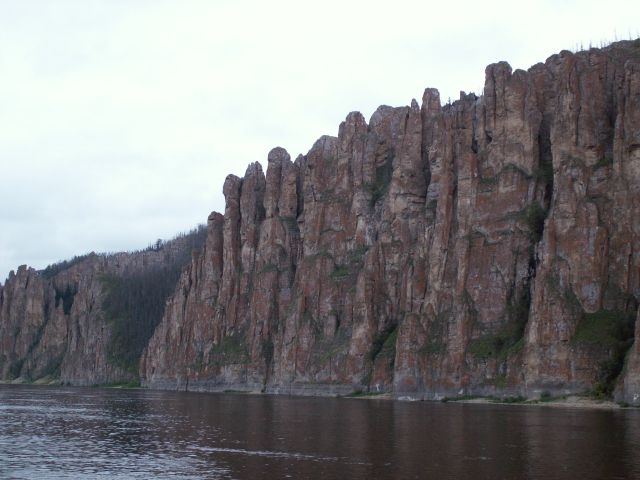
[569, 401]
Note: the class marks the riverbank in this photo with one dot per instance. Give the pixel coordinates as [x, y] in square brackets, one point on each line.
[54, 382]
[47, 381]
[567, 401]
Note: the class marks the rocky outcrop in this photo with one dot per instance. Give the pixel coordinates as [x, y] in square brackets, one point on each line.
[52, 323]
[489, 246]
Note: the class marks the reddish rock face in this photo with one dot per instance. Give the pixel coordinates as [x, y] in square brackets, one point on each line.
[489, 246]
[52, 325]
[53, 328]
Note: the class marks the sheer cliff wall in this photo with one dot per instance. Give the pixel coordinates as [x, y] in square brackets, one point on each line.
[54, 326]
[489, 246]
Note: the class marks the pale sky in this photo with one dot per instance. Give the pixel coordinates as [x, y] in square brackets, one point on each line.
[120, 119]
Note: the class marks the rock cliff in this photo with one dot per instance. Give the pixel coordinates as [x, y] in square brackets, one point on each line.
[53, 324]
[488, 246]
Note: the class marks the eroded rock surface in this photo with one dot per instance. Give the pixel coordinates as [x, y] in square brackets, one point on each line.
[53, 326]
[489, 246]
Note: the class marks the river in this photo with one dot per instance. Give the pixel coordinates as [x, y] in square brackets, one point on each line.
[65, 432]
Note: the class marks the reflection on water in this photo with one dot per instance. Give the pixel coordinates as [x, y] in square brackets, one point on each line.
[59, 432]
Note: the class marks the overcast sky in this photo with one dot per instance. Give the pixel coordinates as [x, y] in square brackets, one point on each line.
[119, 119]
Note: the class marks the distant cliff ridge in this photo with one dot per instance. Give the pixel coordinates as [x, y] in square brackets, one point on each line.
[489, 246]
[86, 321]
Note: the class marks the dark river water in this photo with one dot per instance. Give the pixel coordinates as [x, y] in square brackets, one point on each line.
[59, 432]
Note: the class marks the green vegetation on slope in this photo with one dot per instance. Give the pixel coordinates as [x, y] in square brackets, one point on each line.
[55, 268]
[611, 330]
[508, 340]
[134, 303]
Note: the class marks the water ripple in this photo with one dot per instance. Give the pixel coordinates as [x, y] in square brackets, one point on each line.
[48, 432]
